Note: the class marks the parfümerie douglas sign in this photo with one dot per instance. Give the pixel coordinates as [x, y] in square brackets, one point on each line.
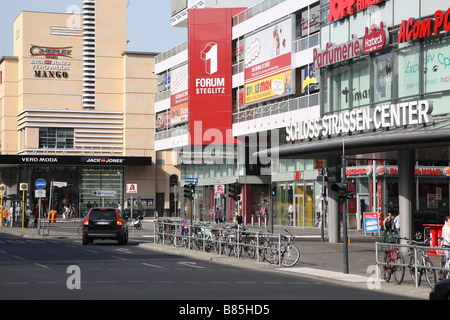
[380, 117]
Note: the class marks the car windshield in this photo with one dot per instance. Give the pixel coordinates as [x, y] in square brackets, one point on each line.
[106, 214]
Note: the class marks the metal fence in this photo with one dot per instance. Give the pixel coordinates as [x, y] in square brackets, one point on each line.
[414, 256]
[232, 241]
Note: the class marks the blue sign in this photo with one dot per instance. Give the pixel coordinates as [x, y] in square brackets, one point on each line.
[371, 222]
[40, 184]
[191, 180]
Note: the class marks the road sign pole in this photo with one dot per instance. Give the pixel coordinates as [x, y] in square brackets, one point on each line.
[23, 209]
[344, 215]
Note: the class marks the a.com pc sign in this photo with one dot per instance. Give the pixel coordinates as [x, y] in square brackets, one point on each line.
[40, 184]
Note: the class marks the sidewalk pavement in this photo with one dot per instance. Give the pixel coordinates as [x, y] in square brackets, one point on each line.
[319, 259]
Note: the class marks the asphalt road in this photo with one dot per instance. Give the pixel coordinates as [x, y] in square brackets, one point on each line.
[64, 269]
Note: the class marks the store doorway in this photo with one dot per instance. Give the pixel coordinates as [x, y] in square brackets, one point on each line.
[362, 205]
[299, 211]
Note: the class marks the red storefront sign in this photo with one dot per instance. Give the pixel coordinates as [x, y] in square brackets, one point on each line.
[415, 29]
[341, 8]
[376, 39]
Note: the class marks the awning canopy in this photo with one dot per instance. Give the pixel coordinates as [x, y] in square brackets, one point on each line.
[431, 142]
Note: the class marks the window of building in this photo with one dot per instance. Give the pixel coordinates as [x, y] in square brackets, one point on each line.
[382, 77]
[58, 138]
[360, 93]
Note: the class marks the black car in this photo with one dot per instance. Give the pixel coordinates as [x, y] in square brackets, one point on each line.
[104, 224]
[441, 290]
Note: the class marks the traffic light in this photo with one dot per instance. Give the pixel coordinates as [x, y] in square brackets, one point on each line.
[334, 174]
[192, 187]
[341, 189]
[232, 190]
[187, 191]
[237, 191]
[274, 191]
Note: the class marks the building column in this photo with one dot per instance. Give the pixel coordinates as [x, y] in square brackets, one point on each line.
[334, 221]
[406, 195]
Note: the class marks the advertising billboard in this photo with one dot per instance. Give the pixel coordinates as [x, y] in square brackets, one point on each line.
[210, 75]
[179, 109]
[268, 62]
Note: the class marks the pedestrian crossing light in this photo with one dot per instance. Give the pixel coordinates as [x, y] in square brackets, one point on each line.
[341, 189]
[274, 191]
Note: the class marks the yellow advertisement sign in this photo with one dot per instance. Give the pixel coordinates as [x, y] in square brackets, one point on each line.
[268, 88]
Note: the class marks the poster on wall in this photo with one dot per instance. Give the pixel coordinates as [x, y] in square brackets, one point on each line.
[179, 96]
[268, 63]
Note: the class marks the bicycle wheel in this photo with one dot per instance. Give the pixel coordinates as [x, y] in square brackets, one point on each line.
[412, 271]
[290, 256]
[271, 253]
[80, 230]
[249, 249]
[399, 271]
[430, 274]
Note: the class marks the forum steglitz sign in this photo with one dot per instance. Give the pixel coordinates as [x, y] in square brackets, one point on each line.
[386, 116]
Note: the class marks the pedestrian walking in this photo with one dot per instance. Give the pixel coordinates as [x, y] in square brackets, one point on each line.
[387, 224]
[397, 225]
[218, 215]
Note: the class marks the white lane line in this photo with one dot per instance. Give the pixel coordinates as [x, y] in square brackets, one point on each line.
[190, 264]
[20, 258]
[152, 265]
[120, 258]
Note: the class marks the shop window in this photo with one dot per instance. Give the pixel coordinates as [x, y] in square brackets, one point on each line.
[58, 138]
[382, 77]
[436, 61]
[340, 88]
[361, 84]
[408, 71]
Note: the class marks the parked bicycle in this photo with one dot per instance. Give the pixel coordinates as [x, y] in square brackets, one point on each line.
[394, 265]
[423, 260]
[290, 254]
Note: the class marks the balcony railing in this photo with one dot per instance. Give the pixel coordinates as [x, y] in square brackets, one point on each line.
[255, 10]
[276, 108]
[172, 52]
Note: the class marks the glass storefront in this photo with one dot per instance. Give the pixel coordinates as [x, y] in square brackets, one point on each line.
[75, 187]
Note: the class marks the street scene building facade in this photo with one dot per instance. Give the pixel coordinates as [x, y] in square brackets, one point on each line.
[77, 111]
[310, 81]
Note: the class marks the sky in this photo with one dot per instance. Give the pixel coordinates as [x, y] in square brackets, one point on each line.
[149, 27]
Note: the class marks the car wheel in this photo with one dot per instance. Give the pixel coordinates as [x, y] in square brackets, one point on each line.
[86, 241]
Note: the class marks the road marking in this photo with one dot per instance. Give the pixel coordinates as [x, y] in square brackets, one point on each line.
[124, 250]
[92, 251]
[120, 258]
[190, 264]
[41, 265]
[152, 265]
[20, 258]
